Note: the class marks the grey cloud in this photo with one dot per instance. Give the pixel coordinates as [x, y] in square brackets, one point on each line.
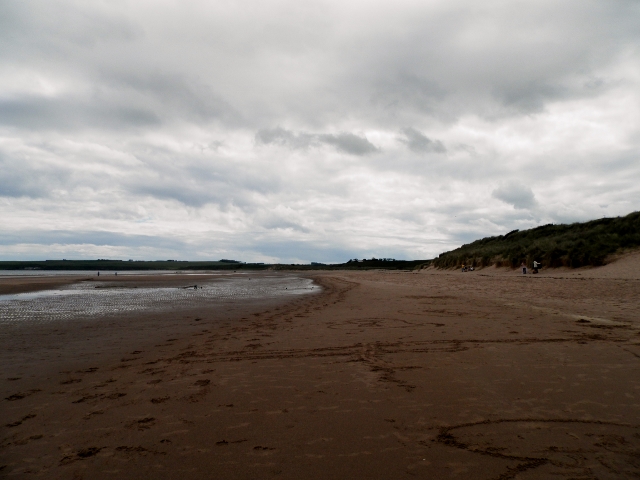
[192, 193]
[19, 184]
[419, 143]
[282, 224]
[168, 190]
[61, 25]
[407, 90]
[116, 110]
[444, 65]
[173, 96]
[281, 136]
[89, 237]
[344, 142]
[482, 62]
[196, 182]
[20, 177]
[531, 96]
[349, 143]
[122, 103]
[37, 113]
[516, 194]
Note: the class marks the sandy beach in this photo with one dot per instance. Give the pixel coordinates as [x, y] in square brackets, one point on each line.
[378, 374]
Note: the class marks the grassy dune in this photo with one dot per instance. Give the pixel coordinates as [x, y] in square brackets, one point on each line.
[574, 245]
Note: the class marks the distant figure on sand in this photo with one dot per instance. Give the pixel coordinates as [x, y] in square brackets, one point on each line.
[524, 268]
[536, 265]
[98, 273]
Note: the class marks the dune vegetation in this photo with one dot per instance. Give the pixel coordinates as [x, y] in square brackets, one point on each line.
[573, 245]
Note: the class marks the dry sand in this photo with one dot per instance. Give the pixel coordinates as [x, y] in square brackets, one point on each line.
[480, 375]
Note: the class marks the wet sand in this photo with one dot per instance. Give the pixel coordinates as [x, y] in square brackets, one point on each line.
[11, 285]
[482, 375]
[28, 283]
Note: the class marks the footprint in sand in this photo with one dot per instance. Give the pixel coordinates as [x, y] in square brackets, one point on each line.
[26, 440]
[80, 454]
[70, 381]
[21, 395]
[19, 422]
[142, 424]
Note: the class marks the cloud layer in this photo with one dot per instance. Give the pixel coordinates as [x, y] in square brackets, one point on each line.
[281, 131]
[344, 142]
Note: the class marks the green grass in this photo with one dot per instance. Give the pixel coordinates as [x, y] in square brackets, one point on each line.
[574, 245]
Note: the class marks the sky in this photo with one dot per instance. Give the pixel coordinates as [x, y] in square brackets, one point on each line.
[287, 131]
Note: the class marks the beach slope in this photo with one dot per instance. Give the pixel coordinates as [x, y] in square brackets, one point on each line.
[430, 374]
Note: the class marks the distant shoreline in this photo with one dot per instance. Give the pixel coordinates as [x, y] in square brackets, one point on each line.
[174, 265]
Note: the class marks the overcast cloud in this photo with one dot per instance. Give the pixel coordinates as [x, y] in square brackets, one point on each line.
[295, 131]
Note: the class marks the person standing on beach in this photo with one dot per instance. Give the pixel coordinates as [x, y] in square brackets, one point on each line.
[524, 268]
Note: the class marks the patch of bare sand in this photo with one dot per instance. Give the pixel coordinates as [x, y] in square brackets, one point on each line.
[620, 266]
[382, 375]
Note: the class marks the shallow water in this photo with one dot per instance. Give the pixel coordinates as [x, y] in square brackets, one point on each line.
[105, 273]
[85, 299]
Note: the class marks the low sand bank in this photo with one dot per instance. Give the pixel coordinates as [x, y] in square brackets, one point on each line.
[382, 375]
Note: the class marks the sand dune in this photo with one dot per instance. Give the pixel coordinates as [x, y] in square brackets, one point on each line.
[481, 375]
